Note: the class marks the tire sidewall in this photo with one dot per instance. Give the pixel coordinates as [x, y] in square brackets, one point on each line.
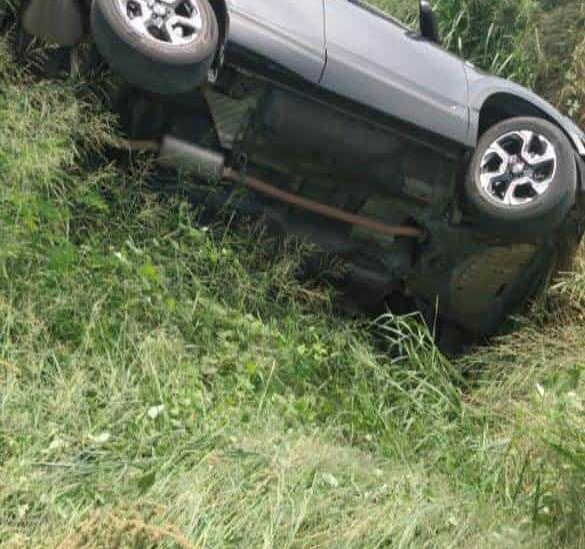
[151, 65]
[194, 52]
[545, 213]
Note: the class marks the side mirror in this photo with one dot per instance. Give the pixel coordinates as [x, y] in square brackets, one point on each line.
[429, 25]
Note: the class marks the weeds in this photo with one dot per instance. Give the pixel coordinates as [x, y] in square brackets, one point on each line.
[165, 383]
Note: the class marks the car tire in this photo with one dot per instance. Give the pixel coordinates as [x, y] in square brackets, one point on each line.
[522, 179]
[163, 63]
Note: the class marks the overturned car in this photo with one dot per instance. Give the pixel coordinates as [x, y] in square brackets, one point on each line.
[456, 190]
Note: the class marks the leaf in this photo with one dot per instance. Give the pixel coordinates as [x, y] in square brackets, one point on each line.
[94, 201]
[149, 273]
[146, 481]
[155, 411]
[329, 479]
[102, 438]
[251, 368]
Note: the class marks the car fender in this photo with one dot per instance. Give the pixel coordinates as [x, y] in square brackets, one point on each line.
[513, 98]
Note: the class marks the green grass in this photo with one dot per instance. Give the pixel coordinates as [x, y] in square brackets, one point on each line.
[169, 384]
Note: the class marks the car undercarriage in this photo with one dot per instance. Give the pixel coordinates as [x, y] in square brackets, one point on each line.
[338, 160]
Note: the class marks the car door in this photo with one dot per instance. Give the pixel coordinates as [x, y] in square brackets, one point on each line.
[290, 33]
[378, 62]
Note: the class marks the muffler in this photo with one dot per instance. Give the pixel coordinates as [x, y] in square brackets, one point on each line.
[191, 159]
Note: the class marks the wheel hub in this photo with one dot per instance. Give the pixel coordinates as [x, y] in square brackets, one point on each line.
[175, 22]
[517, 168]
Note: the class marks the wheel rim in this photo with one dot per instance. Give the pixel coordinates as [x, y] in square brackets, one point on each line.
[174, 22]
[517, 168]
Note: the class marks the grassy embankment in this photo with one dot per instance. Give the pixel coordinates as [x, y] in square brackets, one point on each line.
[168, 384]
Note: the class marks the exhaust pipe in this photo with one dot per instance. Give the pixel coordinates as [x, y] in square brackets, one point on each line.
[211, 166]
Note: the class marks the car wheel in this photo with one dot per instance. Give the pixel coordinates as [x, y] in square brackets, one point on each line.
[162, 46]
[522, 179]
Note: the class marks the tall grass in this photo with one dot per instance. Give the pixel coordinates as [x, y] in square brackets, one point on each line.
[167, 383]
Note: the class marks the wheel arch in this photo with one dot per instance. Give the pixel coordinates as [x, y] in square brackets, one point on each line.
[500, 106]
[223, 18]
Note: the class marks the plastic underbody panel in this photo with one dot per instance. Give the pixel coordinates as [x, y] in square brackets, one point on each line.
[455, 274]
